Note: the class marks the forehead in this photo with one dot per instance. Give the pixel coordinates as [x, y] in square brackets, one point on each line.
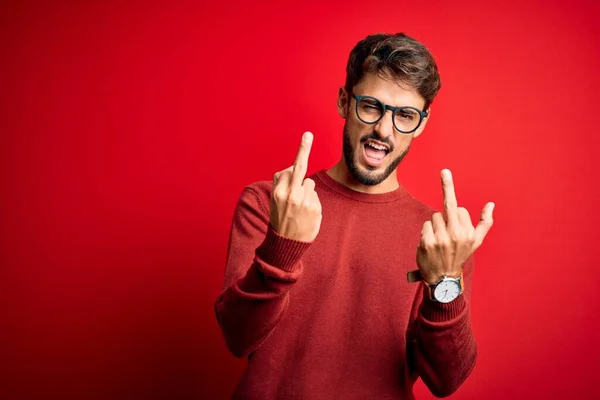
[389, 91]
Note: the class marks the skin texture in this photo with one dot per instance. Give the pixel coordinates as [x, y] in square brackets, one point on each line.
[447, 240]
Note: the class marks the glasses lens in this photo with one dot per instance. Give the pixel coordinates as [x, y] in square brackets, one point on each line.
[407, 119]
[369, 110]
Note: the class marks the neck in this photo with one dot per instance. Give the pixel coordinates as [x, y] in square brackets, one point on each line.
[340, 173]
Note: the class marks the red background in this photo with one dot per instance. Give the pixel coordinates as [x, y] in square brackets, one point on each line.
[128, 132]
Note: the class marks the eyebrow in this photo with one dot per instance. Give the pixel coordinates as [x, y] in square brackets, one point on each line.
[395, 106]
[387, 104]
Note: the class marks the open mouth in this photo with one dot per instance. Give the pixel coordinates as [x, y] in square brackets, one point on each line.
[374, 153]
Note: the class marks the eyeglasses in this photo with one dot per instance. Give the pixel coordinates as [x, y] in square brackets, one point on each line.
[370, 110]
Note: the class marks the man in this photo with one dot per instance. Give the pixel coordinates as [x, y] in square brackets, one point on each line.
[316, 293]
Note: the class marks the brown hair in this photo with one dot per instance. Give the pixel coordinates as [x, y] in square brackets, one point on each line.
[399, 55]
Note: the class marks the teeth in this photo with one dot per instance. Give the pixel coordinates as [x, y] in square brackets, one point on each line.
[377, 146]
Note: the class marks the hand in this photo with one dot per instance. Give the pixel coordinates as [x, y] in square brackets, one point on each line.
[295, 206]
[447, 243]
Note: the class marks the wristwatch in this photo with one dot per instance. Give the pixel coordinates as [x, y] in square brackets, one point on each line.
[445, 290]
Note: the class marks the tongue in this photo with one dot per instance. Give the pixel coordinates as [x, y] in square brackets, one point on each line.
[374, 153]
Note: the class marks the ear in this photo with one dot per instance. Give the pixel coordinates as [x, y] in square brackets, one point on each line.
[343, 102]
[423, 123]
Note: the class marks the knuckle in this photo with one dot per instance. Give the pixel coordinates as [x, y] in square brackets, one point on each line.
[279, 194]
[294, 200]
[317, 205]
[471, 237]
[309, 187]
[443, 241]
[455, 236]
[449, 203]
[427, 242]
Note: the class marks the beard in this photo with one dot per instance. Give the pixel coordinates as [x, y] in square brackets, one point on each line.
[369, 177]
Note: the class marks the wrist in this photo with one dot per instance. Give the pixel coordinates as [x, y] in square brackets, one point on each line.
[281, 252]
[435, 311]
[446, 289]
[435, 277]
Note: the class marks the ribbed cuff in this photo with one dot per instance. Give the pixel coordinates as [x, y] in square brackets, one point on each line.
[281, 252]
[440, 312]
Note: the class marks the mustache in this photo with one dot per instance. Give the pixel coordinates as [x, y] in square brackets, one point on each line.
[374, 136]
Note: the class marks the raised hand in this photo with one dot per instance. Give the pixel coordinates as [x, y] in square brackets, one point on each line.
[446, 243]
[295, 206]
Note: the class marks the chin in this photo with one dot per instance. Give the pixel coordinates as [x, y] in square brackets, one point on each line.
[368, 175]
[369, 171]
[374, 177]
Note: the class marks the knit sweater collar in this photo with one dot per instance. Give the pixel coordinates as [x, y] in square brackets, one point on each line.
[352, 194]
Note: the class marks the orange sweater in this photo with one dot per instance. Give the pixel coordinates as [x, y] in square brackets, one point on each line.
[336, 318]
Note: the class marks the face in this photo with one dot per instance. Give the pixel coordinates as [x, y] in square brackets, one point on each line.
[373, 152]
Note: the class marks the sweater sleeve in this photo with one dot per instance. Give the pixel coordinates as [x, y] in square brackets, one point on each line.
[443, 345]
[261, 268]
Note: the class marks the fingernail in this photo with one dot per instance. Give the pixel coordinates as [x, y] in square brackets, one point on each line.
[308, 137]
[446, 173]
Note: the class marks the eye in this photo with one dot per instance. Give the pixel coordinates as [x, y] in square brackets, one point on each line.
[370, 105]
[407, 115]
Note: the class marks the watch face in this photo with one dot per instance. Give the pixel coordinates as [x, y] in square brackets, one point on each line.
[446, 291]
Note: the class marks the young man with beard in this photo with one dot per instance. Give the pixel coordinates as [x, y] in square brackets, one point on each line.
[316, 293]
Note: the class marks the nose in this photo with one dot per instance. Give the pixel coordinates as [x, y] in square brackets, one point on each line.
[385, 126]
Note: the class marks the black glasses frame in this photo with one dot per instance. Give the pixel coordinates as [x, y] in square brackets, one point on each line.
[394, 110]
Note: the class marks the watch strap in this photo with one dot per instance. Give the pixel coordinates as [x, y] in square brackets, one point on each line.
[415, 276]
